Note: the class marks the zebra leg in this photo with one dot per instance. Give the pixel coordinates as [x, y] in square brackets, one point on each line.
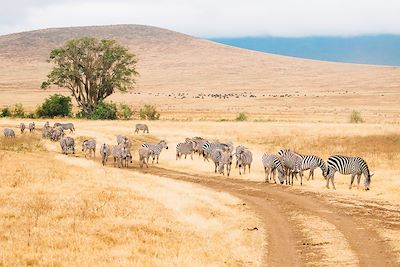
[333, 184]
[191, 155]
[249, 167]
[358, 180]
[353, 175]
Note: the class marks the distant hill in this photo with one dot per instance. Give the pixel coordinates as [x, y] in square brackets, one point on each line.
[378, 49]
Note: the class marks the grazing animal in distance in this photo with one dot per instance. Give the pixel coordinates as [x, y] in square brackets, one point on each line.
[245, 158]
[105, 152]
[66, 126]
[31, 127]
[9, 133]
[345, 165]
[22, 127]
[144, 155]
[141, 127]
[89, 146]
[156, 149]
[67, 145]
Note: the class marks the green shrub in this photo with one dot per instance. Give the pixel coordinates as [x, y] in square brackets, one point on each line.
[5, 112]
[125, 112]
[55, 105]
[241, 117]
[149, 112]
[104, 111]
[18, 111]
[355, 117]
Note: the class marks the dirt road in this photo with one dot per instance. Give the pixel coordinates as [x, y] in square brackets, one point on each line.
[288, 245]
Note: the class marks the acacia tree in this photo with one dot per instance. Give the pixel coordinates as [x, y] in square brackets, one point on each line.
[92, 70]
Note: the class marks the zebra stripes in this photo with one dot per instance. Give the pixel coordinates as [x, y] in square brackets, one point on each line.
[244, 158]
[22, 127]
[9, 133]
[272, 163]
[31, 127]
[105, 152]
[89, 146]
[292, 164]
[221, 159]
[156, 149]
[67, 145]
[141, 127]
[186, 148]
[345, 165]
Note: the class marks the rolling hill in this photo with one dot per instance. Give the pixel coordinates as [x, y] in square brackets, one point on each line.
[172, 63]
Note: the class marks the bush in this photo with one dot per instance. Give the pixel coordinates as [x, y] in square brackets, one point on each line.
[355, 117]
[149, 112]
[5, 112]
[55, 105]
[104, 111]
[241, 117]
[18, 111]
[125, 112]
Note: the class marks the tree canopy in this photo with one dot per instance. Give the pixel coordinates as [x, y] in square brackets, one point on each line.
[92, 70]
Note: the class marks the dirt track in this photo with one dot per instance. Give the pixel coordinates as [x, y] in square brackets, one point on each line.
[287, 244]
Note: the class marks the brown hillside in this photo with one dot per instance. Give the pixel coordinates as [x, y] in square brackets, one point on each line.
[170, 62]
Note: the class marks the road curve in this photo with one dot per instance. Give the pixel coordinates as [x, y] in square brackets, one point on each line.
[287, 245]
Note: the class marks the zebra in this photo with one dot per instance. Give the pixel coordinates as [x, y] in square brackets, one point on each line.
[185, 149]
[209, 147]
[311, 162]
[156, 149]
[198, 145]
[22, 127]
[57, 134]
[118, 152]
[105, 153]
[9, 133]
[67, 144]
[127, 157]
[46, 125]
[239, 148]
[89, 146]
[141, 127]
[292, 165]
[124, 141]
[272, 163]
[348, 165]
[31, 127]
[66, 126]
[244, 158]
[144, 155]
[221, 159]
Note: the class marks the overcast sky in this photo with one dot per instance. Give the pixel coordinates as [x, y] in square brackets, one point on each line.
[211, 18]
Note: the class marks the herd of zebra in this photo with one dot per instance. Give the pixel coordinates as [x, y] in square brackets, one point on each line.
[289, 164]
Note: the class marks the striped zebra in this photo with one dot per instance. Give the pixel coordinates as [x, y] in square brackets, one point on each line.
[9, 133]
[66, 126]
[141, 127]
[221, 159]
[127, 158]
[238, 149]
[244, 158]
[156, 149]
[89, 146]
[105, 152]
[57, 134]
[46, 125]
[209, 147]
[312, 162]
[186, 148]
[31, 127]
[198, 145]
[22, 127]
[124, 141]
[272, 163]
[348, 165]
[119, 153]
[144, 155]
[292, 165]
[67, 144]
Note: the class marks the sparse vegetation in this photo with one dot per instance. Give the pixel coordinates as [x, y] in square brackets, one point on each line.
[92, 70]
[55, 105]
[18, 111]
[125, 112]
[5, 112]
[149, 112]
[241, 117]
[356, 117]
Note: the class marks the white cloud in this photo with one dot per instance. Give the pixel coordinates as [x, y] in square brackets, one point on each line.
[212, 18]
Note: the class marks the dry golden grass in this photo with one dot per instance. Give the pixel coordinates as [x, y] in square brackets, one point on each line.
[58, 210]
